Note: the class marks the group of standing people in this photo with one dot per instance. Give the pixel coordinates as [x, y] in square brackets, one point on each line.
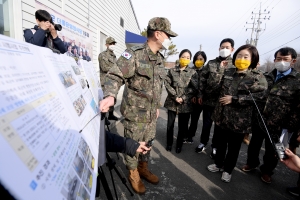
[224, 89]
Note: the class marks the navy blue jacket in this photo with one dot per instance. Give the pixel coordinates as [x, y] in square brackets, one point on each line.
[116, 143]
[39, 38]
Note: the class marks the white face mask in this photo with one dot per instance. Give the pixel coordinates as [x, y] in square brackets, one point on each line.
[112, 47]
[166, 44]
[282, 66]
[224, 53]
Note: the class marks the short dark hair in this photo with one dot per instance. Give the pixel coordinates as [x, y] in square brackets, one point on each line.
[286, 51]
[150, 33]
[43, 16]
[185, 50]
[254, 54]
[202, 53]
[227, 40]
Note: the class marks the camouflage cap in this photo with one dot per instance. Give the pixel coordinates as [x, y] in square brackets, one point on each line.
[161, 24]
[110, 40]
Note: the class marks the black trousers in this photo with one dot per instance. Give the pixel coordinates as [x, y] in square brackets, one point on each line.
[217, 137]
[228, 149]
[270, 161]
[183, 120]
[207, 123]
[195, 115]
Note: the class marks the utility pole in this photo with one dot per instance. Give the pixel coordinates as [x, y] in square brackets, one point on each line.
[251, 39]
[200, 47]
[257, 21]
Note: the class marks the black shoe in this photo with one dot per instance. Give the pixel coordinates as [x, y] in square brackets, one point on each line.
[169, 148]
[294, 191]
[213, 153]
[112, 117]
[200, 148]
[178, 150]
[189, 141]
[107, 122]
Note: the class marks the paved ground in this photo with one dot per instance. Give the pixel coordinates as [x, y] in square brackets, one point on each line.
[184, 175]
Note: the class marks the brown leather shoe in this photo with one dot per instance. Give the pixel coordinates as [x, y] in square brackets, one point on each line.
[146, 174]
[266, 178]
[136, 182]
[247, 168]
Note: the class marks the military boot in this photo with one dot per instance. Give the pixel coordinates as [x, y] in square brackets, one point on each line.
[145, 173]
[136, 182]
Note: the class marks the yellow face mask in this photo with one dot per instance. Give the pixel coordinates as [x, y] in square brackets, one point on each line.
[184, 62]
[242, 64]
[199, 63]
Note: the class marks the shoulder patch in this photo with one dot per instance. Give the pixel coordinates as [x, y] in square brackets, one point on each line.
[134, 48]
[126, 55]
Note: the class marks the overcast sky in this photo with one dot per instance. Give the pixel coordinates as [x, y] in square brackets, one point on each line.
[207, 22]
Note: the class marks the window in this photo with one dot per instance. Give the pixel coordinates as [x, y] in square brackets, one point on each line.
[102, 41]
[5, 10]
[122, 22]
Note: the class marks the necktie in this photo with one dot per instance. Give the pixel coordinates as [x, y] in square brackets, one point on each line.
[279, 76]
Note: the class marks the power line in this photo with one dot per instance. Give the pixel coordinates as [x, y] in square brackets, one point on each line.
[280, 33]
[285, 24]
[281, 45]
[211, 46]
[276, 4]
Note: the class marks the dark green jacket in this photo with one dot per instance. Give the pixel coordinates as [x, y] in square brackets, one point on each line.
[237, 116]
[282, 109]
[181, 84]
[210, 90]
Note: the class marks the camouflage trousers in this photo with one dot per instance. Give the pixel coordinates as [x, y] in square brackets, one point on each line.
[138, 132]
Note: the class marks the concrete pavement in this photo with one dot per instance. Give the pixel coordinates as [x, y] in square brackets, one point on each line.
[184, 175]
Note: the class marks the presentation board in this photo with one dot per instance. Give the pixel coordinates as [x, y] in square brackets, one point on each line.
[49, 145]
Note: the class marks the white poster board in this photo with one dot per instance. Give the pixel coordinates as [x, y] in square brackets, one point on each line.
[45, 155]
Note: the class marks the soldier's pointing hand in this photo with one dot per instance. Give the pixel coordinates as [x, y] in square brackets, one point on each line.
[106, 103]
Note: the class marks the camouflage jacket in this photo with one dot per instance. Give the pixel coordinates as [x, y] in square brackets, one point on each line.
[199, 71]
[143, 74]
[182, 84]
[282, 109]
[210, 79]
[106, 61]
[237, 116]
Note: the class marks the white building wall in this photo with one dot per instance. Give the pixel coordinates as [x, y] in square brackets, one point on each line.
[96, 15]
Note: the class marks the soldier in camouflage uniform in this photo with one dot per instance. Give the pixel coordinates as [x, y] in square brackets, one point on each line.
[182, 85]
[142, 71]
[281, 111]
[107, 59]
[210, 91]
[233, 112]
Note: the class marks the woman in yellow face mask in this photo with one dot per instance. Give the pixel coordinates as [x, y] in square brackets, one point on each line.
[182, 85]
[233, 113]
[198, 61]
